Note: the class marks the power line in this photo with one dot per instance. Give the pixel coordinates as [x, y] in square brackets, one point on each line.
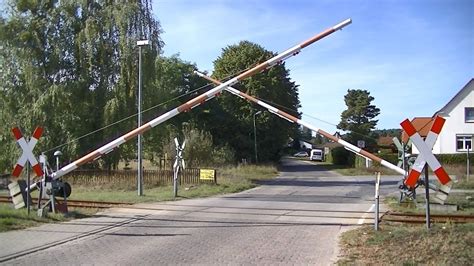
[133, 115]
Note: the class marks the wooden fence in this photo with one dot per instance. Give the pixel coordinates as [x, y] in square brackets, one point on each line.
[129, 177]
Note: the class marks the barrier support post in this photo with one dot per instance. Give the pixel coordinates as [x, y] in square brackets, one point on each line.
[377, 188]
[427, 198]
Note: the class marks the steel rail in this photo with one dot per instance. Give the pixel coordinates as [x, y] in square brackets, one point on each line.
[77, 203]
[421, 218]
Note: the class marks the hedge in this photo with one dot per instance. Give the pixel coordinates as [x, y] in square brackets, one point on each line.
[456, 158]
[341, 156]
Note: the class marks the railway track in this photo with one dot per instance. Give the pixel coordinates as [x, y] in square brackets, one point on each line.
[421, 218]
[386, 217]
[79, 203]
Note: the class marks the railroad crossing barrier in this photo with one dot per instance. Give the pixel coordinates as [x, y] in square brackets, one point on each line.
[426, 156]
[377, 196]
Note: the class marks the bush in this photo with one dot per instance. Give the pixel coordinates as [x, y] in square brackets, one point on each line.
[341, 156]
[457, 158]
[390, 157]
[200, 150]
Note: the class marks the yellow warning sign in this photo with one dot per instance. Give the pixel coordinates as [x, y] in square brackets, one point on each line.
[207, 174]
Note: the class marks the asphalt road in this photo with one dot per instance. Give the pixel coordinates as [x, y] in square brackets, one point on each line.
[294, 219]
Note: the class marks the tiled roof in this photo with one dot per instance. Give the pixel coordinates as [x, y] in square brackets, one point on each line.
[422, 126]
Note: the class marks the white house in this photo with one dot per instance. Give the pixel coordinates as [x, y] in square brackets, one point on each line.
[458, 131]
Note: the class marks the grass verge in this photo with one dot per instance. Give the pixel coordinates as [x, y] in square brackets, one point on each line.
[11, 219]
[446, 244]
[229, 180]
[404, 244]
[352, 171]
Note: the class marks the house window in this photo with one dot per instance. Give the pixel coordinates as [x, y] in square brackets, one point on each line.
[463, 142]
[469, 114]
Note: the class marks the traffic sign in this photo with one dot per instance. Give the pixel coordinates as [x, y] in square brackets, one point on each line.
[426, 155]
[27, 154]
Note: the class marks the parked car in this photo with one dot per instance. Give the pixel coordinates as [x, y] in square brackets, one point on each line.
[301, 154]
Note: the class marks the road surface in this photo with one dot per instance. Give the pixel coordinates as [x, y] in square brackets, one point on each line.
[294, 219]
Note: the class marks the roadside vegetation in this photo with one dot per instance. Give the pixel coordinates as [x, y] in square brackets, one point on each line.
[11, 219]
[406, 244]
[229, 180]
[456, 171]
[396, 244]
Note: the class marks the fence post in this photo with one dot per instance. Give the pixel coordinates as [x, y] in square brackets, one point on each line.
[467, 162]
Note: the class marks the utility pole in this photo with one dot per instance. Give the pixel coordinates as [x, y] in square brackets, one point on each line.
[139, 144]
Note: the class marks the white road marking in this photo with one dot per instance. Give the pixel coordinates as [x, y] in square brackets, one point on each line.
[362, 220]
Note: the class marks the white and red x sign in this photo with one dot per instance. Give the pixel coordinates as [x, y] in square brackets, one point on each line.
[27, 154]
[426, 156]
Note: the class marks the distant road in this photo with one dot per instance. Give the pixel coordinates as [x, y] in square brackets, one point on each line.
[294, 219]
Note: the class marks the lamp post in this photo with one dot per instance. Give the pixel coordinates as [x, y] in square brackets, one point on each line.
[139, 144]
[255, 135]
[57, 154]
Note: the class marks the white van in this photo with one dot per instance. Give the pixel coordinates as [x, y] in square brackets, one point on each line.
[316, 155]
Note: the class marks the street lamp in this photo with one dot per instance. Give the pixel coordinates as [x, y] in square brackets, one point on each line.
[57, 154]
[139, 144]
[255, 135]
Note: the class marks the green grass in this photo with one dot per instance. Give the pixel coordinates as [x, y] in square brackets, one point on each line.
[464, 183]
[230, 180]
[353, 171]
[446, 244]
[405, 244]
[11, 219]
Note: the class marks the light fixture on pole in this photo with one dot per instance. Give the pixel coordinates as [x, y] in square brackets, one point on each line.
[255, 135]
[139, 144]
[57, 154]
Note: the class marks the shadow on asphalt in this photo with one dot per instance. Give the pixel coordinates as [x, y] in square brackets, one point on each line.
[303, 199]
[142, 235]
[302, 168]
[192, 222]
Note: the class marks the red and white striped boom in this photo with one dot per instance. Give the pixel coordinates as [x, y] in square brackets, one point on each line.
[196, 101]
[293, 119]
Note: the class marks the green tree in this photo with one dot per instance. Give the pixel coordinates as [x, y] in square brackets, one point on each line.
[200, 151]
[71, 67]
[232, 119]
[359, 116]
[173, 83]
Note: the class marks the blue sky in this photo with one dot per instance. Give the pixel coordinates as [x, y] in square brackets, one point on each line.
[413, 56]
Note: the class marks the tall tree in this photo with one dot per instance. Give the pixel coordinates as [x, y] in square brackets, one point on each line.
[174, 82]
[72, 68]
[233, 118]
[359, 116]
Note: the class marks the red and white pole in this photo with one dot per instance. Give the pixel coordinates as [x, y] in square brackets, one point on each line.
[293, 119]
[197, 100]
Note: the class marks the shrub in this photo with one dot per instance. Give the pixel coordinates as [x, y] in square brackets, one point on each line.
[457, 158]
[390, 157]
[341, 156]
[200, 150]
